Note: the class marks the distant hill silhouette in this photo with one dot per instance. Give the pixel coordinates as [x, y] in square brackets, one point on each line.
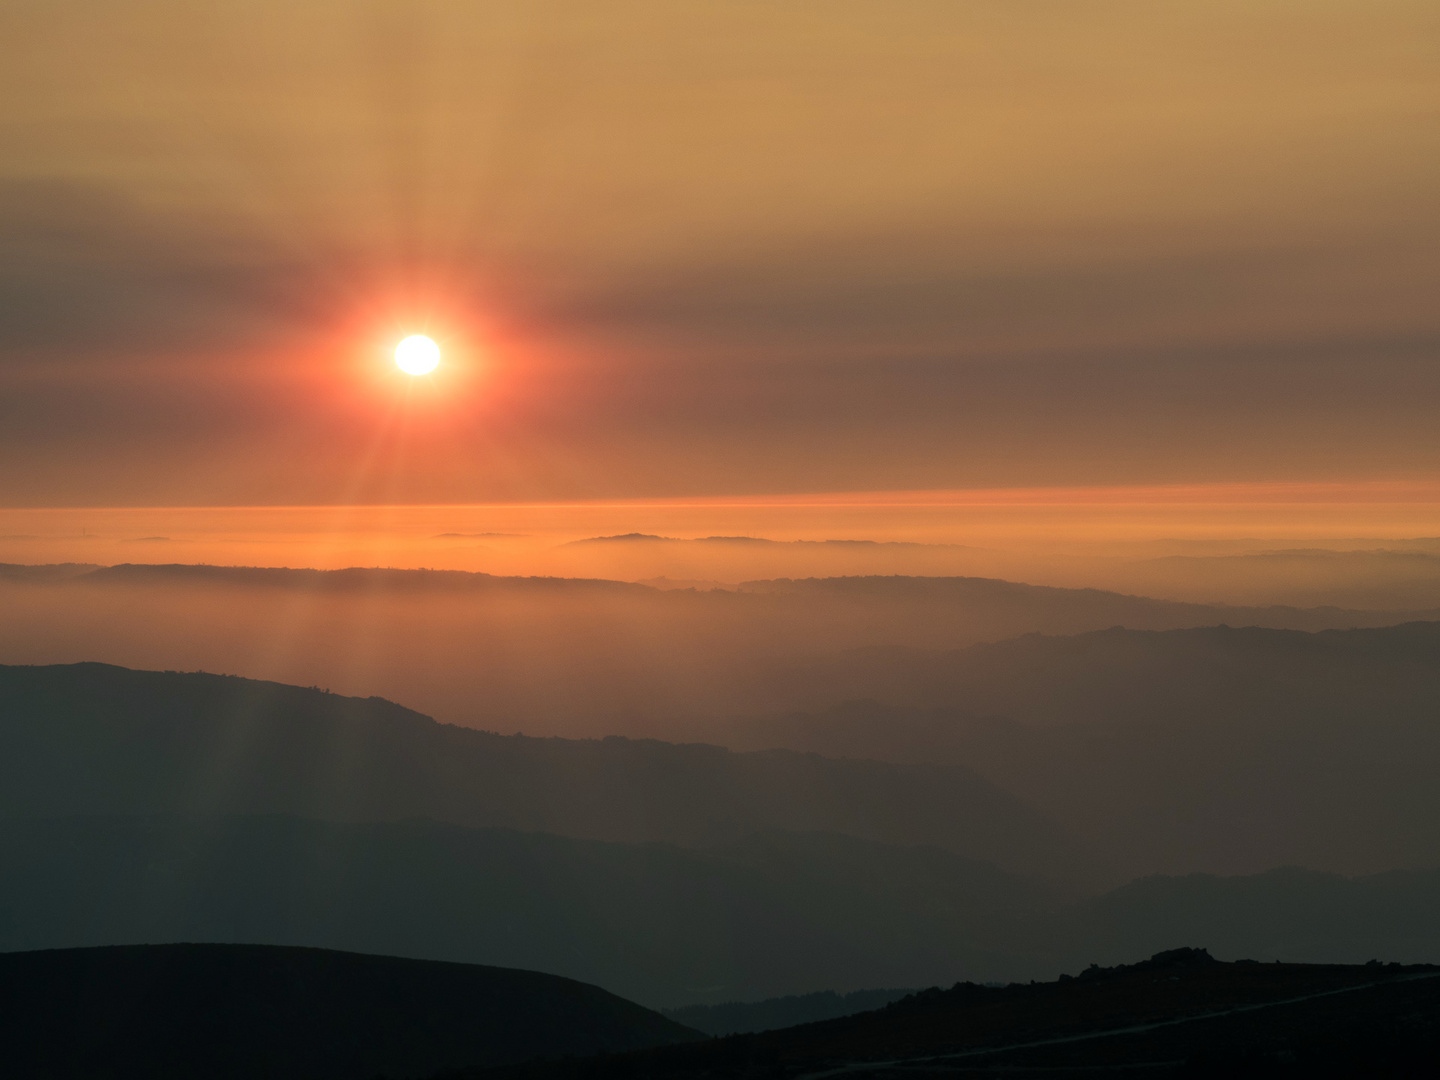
[366, 579]
[1136, 674]
[1398, 575]
[1282, 914]
[941, 608]
[1179, 1014]
[1007, 608]
[45, 573]
[1378, 576]
[157, 1012]
[554, 655]
[1218, 749]
[94, 739]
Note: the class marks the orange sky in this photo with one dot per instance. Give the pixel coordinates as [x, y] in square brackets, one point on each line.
[713, 250]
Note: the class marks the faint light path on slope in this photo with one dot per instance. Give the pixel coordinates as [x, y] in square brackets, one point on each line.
[1134, 1029]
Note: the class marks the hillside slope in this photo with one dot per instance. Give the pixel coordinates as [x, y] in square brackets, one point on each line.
[172, 1012]
[94, 739]
[1127, 673]
[1216, 749]
[1179, 1014]
[773, 914]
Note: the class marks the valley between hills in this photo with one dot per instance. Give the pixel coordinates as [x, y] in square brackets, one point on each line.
[883, 803]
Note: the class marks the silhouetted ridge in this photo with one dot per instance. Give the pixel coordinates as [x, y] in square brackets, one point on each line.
[1178, 1014]
[45, 574]
[1167, 960]
[986, 608]
[345, 580]
[95, 739]
[650, 539]
[1153, 744]
[738, 1017]
[156, 1012]
[622, 538]
[774, 913]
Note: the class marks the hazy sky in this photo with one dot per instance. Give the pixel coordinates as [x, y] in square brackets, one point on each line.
[700, 248]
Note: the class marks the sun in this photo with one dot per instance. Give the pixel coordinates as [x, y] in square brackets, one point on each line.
[417, 355]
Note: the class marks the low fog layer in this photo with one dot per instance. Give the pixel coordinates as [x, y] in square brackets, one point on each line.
[1065, 546]
[554, 656]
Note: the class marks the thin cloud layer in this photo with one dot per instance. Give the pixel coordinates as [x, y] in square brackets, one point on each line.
[743, 248]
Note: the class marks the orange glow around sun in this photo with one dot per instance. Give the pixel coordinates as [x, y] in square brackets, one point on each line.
[429, 358]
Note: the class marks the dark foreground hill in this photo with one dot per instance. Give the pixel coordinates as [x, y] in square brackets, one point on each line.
[1179, 1014]
[95, 739]
[735, 1017]
[157, 1012]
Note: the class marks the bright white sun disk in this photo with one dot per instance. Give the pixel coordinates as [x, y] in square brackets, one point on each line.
[417, 355]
